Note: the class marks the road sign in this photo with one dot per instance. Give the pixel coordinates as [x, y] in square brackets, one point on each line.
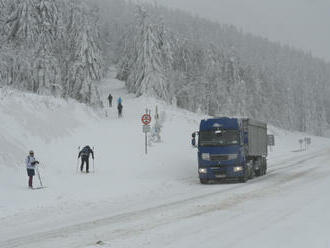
[271, 140]
[146, 128]
[146, 119]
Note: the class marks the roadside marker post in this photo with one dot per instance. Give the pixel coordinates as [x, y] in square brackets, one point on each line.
[270, 141]
[301, 141]
[146, 120]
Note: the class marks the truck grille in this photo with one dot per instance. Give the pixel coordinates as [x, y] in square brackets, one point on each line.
[218, 157]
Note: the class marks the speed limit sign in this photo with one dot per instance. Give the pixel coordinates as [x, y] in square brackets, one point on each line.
[146, 119]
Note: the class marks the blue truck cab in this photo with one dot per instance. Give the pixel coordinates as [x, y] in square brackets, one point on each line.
[231, 148]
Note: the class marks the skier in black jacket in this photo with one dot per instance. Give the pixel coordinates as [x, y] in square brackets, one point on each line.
[110, 100]
[84, 154]
[120, 109]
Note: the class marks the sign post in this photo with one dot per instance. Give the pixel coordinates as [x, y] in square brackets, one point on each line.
[308, 142]
[270, 141]
[146, 119]
[301, 141]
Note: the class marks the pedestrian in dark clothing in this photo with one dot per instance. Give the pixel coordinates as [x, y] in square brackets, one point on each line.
[31, 163]
[120, 109]
[110, 100]
[84, 154]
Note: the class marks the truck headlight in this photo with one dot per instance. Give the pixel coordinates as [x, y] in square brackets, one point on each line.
[238, 168]
[202, 171]
[206, 156]
[232, 156]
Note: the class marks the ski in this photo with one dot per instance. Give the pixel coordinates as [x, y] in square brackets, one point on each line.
[38, 173]
[84, 172]
[43, 187]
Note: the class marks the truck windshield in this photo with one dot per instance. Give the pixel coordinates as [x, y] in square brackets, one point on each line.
[218, 138]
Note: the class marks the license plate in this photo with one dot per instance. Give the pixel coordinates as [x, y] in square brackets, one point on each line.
[220, 176]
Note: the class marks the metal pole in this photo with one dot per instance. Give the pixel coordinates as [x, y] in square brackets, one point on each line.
[146, 143]
[93, 159]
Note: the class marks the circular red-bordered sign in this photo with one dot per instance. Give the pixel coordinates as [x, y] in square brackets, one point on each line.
[146, 119]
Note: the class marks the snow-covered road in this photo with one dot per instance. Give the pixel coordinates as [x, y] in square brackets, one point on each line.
[279, 210]
[134, 200]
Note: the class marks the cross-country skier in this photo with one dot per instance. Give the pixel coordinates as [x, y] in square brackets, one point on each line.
[120, 109]
[84, 154]
[110, 100]
[31, 162]
[119, 100]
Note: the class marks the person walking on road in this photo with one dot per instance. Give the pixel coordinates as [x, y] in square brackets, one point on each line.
[120, 100]
[31, 163]
[84, 154]
[120, 109]
[110, 100]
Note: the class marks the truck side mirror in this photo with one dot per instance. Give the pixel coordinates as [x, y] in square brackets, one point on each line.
[193, 140]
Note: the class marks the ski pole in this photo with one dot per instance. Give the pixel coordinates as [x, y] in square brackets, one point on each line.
[38, 173]
[78, 160]
[93, 160]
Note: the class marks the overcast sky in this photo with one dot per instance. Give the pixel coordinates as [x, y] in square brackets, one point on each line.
[304, 24]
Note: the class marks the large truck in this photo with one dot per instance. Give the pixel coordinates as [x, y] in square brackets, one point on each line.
[231, 148]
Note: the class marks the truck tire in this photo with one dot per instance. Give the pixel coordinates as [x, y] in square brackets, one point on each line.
[203, 180]
[252, 173]
[259, 171]
[264, 167]
[245, 177]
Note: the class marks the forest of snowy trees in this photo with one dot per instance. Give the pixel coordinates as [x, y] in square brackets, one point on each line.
[65, 47]
[50, 47]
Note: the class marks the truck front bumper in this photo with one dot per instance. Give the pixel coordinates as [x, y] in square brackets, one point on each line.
[214, 173]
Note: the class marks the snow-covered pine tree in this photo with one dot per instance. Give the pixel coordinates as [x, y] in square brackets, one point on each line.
[214, 84]
[3, 10]
[186, 74]
[128, 55]
[166, 39]
[3, 60]
[21, 31]
[47, 70]
[147, 76]
[23, 23]
[86, 59]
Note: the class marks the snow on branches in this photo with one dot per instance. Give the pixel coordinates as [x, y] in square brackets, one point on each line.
[51, 47]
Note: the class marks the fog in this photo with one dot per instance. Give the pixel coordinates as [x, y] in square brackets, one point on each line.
[303, 24]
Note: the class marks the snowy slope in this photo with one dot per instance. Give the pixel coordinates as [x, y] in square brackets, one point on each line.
[129, 191]
[55, 128]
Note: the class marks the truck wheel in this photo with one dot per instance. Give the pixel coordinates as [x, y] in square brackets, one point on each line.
[243, 179]
[265, 169]
[252, 174]
[203, 180]
[259, 172]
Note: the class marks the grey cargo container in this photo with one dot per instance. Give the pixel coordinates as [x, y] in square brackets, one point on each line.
[257, 137]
